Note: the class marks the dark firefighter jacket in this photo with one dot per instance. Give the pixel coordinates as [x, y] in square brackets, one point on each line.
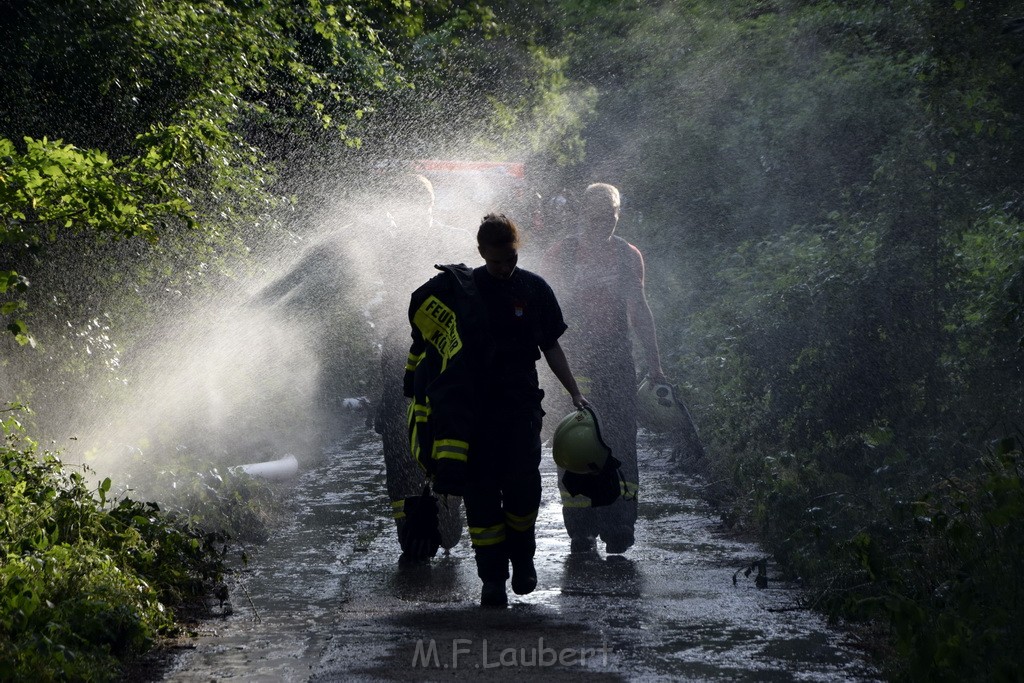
[448, 356]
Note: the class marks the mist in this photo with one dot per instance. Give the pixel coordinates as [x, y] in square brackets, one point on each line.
[261, 367]
[827, 197]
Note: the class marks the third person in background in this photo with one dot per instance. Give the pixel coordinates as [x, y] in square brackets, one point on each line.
[408, 243]
[599, 278]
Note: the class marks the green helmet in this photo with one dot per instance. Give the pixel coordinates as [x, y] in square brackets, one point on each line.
[578, 446]
[657, 409]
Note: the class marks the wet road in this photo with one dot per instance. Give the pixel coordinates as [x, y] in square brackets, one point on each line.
[328, 602]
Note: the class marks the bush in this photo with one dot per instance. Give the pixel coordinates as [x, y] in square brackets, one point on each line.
[951, 593]
[85, 579]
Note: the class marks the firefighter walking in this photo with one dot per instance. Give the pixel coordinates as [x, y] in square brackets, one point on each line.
[476, 414]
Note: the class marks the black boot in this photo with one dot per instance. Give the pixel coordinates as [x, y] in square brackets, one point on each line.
[524, 576]
[581, 544]
[493, 594]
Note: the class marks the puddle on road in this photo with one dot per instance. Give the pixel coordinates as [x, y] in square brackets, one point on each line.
[333, 605]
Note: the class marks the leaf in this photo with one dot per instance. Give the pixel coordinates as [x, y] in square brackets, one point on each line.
[11, 306]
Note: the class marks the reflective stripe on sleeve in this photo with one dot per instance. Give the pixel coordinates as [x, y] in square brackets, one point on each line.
[398, 509]
[419, 412]
[413, 361]
[450, 449]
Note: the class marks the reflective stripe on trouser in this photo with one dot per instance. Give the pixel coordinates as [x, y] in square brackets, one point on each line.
[488, 536]
[521, 522]
[482, 536]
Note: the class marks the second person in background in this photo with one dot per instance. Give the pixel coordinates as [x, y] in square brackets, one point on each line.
[599, 277]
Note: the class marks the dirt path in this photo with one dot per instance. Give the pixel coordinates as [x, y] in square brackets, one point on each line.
[332, 605]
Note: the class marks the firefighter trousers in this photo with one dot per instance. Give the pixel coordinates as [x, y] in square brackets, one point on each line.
[503, 493]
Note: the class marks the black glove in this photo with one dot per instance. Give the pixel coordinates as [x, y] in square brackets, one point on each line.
[602, 488]
[450, 477]
[419, 535]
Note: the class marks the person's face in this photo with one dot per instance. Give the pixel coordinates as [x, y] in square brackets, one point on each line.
[414, 215]
[599, 218]
[500, 260]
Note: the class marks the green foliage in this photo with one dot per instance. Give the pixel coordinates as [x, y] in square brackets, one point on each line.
[828, 199]
[58, 186]
[53, 187]
[85, 578]
[150, 150]
[951, 596]
[827, 194]
[545, 122]
[133, 164]
[482, 86]
[157, 104]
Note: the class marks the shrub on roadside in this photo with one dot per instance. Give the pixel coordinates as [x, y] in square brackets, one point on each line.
[85, 579]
